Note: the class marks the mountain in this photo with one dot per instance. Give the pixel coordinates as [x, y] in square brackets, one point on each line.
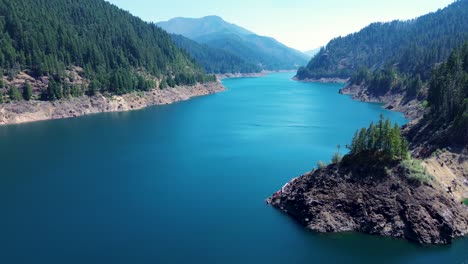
[88, 46]
[194, 28]
[414, 46]
[214, 60]
[213, 31]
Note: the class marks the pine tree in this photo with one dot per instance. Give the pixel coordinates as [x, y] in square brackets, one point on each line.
[354, 144]
[387, 136]
[404, 150]
[380, 129]
[15, 94]
[371, 139]
[393, 146]
[27, 91]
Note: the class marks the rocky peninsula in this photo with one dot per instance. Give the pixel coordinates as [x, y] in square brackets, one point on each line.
[361, 194]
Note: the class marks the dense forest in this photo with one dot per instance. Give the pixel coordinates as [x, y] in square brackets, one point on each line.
[446, 123]
[214, 60]
[386, 49]
[118, 52]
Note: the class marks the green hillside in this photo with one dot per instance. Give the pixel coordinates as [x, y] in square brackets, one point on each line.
[214, 60]
[118, 51]
[412, 46]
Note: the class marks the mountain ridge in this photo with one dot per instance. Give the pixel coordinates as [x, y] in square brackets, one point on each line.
[264, 52]
[413, 45]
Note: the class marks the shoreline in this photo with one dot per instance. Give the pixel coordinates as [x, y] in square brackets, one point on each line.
[34, 111]
[322, 80]
[411, 109]
[393, 102]
[448, 167]
[248, 75]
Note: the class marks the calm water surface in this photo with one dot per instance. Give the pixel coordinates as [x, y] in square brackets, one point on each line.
[186, 183]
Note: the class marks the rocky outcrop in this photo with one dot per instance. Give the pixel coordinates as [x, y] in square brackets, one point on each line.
[411, 108]
[375, 200]
[29, 111]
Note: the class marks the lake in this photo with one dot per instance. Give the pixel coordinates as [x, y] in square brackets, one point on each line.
[186, 183]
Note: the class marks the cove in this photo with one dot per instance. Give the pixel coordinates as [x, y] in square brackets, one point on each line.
[186, 183]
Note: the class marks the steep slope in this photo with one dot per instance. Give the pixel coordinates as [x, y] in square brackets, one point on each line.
[214, 60]
[264, 52]
[413, 46]
[445, 124]
[111, 50]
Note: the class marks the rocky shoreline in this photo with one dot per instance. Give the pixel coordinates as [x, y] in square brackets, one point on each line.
[348, 197]
[358, 196]
[396, 102]
[240, 75]
[248, 75]
[31, 111]
[322, 80]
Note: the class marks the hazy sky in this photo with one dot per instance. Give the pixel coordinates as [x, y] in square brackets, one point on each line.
[301, 24]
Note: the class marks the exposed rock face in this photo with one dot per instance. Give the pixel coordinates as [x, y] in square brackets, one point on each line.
[24, 111]
[373, 200]
[411, 108]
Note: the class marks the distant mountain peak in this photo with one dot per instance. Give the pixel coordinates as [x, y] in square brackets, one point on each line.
[215, 32]
[196, 27]
[213, 17]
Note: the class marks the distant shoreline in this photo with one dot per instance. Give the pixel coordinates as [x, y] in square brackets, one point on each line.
[322, 80]
[249, 75]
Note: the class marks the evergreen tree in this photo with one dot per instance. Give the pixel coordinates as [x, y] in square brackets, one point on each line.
[394, 146]
[14, 93]
[27, 91]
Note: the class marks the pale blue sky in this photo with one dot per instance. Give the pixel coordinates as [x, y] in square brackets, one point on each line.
[301, 24]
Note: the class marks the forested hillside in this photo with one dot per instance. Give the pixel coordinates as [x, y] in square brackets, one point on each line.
[115, 51]
[214, 60]
[447, 120]
[264, 52]
[411, 47]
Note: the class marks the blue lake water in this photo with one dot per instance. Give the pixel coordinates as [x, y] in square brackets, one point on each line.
[186, 183]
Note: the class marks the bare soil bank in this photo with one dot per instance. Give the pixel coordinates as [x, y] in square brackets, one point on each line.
[30, 111]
